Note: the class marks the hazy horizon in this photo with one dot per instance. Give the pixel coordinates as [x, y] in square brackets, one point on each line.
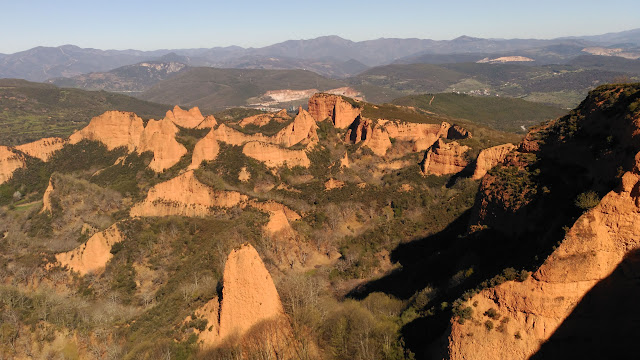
[122, 25]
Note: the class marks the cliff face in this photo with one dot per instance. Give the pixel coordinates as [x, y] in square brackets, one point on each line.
[530, 196]
[375, 137]
[94, 254]
[9, 162]
[186, 119]
[113, 129]
[249, 298]
[159, 137]
[594, 246]
[206, 149]
[444, 158]
[43, 148]
[301, 130]
[185, 196]
[488, 158]
[334, 107]
[264, 119]
[117, 128]
[275, 156]
[422, 135]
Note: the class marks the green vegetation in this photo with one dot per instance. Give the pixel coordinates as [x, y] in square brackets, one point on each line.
[499, 113]
[30, 111]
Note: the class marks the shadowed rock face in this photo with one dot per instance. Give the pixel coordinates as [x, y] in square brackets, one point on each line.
[9, 162]
[444, 158]
[94, 254]
[561, 303]
[488, 158]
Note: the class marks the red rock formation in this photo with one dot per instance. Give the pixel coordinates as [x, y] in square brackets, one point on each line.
[159, 137]
[301, 130]
[375, 137]
[113, 129]
[488, 158]
[186, 119]
[9, 162]
[444, 158]
[422, 135]
[185, 196]
[209, 122]
[43, 148]
[275, 156]
[591, 250]
[93, 255]
[206, 149]
[334, 107]
[46, 198]
[249, 298]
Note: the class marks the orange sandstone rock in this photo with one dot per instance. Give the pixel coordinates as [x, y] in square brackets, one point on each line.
[333, 184]
[209, 122]
[9, 162]
[489, 158]
[422, 135]
[444, 158]
[275, 156]
[113, 129]
[249, 295]
[46, 198]
[159, 137]
[206, 149]
[301, 130]
[185, 196]
[594, 246]
[334, 107]
[43, 148]
[94, 254]
[186, 119]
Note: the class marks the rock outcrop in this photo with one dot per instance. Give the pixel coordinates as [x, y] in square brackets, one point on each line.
[234, 137]
[264, 119]
[301, 130]
[93, 255]
[206, 149]
[423, 136]
[593, 247]
[488, 158]
[116, 128]
[209, 122]
[371, 135]
[280, 216]
[113, 129]
[183, 118]
[334, 107]
[275, 156]
[185, 196]
[159, 137]
[457, 132]
[333, 184]
[43, 148]
[444, 158]
[9, 163]
[46, 198]
[249, 298]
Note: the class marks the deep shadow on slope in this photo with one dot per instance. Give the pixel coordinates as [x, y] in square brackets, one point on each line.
[606, 322]
[583, 151]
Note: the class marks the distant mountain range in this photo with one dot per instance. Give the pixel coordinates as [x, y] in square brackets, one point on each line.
[328, 55]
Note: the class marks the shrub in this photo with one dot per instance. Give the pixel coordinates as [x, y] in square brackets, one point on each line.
[492, 313]
[587, 200]
[489, 325]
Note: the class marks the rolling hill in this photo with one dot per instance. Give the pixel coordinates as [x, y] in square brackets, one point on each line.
[30, 111]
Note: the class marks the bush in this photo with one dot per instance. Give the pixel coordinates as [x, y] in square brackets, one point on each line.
[587, 200]
[489, 325]
[492, 313]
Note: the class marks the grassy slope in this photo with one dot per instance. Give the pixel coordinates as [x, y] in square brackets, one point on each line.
[212, 88]
[30, 111]
[500, 113]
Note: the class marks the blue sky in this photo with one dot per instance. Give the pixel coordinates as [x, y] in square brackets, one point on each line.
[160, 24]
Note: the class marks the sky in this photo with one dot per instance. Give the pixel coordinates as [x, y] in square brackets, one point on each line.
[161, 24]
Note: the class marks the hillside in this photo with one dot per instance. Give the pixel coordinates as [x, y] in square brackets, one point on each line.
[31, 111]
[217, 89]
[500, 113]
[560, 85]
[126, 79]
[140, 227]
